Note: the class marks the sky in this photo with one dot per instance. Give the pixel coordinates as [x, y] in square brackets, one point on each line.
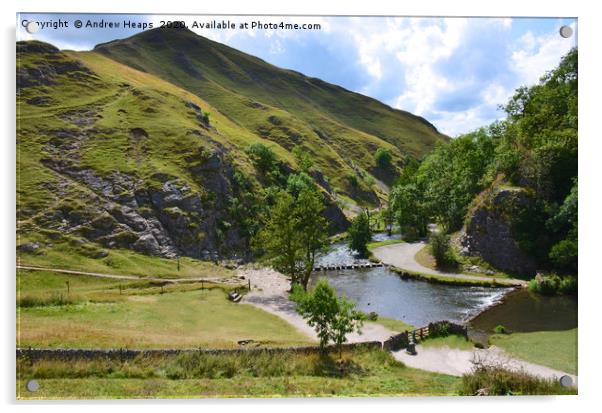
[455, 72]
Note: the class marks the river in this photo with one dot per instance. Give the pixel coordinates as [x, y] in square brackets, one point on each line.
[419, 302]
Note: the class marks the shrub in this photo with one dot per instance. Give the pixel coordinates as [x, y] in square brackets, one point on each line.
[383, 158]
[441, 250]
[372, 316]
[353, 181]
[439, 330]
[553, 284]
[500, 329]
[55, 299]
[263, 157]
[564, 255]
[498, 381]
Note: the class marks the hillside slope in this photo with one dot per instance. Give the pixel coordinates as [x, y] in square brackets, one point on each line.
[112, 156]
[340, 128]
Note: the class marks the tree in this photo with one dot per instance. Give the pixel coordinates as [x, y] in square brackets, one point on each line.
[294, 233]
[441, 250]
[303, 159]
[279, 237]
[408, 209]
[383, 158]
[332, 317]
[453, 175]
[388, 219]
[296, 183]
[360, 234]
[312, 231]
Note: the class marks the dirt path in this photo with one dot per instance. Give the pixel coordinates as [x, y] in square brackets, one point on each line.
[270, 293]
[457, 362]
[222, 280]
[402, 256]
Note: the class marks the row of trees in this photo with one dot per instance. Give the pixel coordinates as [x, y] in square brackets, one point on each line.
[535, 148]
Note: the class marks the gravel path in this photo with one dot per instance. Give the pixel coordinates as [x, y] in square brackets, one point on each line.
[457, 362]
[270, 293]
[402, 256]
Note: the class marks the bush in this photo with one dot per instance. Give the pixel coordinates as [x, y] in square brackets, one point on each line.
[353, 181]
[498, 381]
[441, 250]
[500, 329]
[372, 316]
[383, 158]
[52, 300]
[553, 284]
[439, 330]
[263, 157]
[564, 255]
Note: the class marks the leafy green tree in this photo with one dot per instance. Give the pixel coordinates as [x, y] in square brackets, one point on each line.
[441, 249]
[303, 159]
[360, 234]
[296, 183]
[312, 231]
[453, 174]
[388, 219]
[542, 132]
[564, 254]
[279, 238]
[383, 158]
[295, 232]
[332, 317]
[407, 205]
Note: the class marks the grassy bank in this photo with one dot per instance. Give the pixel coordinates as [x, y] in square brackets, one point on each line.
[451, 341]
[103, 313]
[555, 349]
[425, 258]
[372, 245]
[88, 257]
[360, 372]
[393, 324]
[439, 279]
[497, 381]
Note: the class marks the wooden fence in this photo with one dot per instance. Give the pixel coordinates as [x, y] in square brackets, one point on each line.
[437, 329]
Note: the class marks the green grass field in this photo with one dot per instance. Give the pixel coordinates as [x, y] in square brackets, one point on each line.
[102, 313]
[361, 372]
[451, 341]
[376, 244]
[393, 324]
[555, 349]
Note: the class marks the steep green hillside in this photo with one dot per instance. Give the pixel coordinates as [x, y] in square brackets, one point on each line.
[157, 161]
[339, 127]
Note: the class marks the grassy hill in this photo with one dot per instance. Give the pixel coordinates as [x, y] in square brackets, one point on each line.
[234, 81]
[142, 144]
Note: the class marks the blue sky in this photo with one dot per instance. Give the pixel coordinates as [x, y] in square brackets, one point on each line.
[453, 71]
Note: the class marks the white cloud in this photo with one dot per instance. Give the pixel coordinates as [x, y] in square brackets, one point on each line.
[537, 54]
